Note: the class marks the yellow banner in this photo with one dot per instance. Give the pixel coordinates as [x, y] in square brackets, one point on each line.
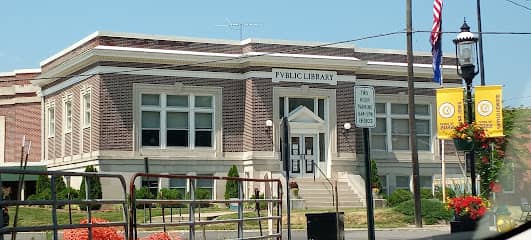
[450, 111]
[488, 102]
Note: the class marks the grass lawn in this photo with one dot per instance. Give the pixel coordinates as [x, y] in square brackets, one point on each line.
[354, 218]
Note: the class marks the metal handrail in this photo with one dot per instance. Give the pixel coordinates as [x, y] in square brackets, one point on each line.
[332, 186]
[335, 197]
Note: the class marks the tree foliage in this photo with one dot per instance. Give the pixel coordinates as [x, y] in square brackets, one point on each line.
[94, 191]
[375, 178]
[231, 187]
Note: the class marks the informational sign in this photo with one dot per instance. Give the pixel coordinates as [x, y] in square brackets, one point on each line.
[450, 111]
[365, 110]
[489, 109]
[305, 76]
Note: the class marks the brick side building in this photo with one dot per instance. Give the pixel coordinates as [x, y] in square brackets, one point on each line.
[20, 118]
[199, 106]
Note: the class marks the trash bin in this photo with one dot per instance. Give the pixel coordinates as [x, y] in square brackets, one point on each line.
[322, 226]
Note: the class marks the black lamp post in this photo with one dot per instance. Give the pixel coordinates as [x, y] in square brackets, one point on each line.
[466, 51]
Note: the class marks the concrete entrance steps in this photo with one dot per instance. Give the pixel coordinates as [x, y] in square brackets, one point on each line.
[318, 194]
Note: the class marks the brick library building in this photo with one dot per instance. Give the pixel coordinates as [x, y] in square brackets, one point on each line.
[192, 106]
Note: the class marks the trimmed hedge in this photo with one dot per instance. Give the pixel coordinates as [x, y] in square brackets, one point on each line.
[399, 196]
[433, 211]
[425, 193]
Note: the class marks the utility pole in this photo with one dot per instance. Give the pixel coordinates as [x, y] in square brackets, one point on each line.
[480, 37]
[411, 110]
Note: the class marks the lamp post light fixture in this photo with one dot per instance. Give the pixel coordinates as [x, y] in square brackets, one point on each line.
[347, 126]
[466, 51]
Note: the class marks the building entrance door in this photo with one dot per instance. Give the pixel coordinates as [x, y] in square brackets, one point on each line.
[303, 155]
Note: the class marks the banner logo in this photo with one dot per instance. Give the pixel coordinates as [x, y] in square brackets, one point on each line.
[446, 110]
[484, 108]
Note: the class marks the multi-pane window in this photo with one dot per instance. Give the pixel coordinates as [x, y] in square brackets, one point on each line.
[178, 184]
[402, 182]
[152, 184]
[86, 109]
[288, 104]
[51, 121]
[205, 187]
[68, 116]
[426, 182]
[392, 127]
[177, 120]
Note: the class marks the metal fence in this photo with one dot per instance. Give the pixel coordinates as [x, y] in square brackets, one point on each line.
[192, 205]
[55, 203]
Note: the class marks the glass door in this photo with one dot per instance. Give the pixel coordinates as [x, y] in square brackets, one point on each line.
[303, 155]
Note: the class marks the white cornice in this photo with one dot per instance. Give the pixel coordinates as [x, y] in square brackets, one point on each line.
[70, 48]
[20, 71]
[13, 90]
[221, 41]
[16, 100]
[389, 83]
[166, 72]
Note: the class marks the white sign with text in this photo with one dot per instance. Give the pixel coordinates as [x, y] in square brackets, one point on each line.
[307, 76]
[365, 110]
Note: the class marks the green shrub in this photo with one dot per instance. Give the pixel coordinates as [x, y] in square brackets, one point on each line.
[433, 211]
[170, 194]
[425, 193]
[450, 193]
[231, 187]
[201, 194]
[94, 191]
[143, 193]
[399, 196]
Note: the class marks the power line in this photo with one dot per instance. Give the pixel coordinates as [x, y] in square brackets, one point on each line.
[300, 49]
[487, 33]
[519, 4]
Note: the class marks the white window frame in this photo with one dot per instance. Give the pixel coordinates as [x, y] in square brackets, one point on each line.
[178, 89]
[50, 120]
[388, 116]
[86, 111]
[67, 115]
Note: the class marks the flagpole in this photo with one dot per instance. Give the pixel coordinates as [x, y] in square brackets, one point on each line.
[442, 154]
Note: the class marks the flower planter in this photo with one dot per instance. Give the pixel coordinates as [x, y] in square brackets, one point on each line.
[463, 224]
[463, 145]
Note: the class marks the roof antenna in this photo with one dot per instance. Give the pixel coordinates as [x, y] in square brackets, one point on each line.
[239, 26]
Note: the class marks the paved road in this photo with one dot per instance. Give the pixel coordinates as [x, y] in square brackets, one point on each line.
[439, 233]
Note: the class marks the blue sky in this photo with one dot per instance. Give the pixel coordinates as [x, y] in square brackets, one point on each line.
[35, 30]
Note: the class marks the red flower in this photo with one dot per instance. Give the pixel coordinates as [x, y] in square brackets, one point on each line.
[495, 187]
[472, 206]
[485, 159]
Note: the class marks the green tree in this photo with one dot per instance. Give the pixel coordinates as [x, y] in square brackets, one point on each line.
[375, 178]
[43, 189]
[94, 191]
[231, 187]
[43, 184]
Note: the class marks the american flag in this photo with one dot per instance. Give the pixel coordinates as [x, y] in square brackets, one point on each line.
[435, 39]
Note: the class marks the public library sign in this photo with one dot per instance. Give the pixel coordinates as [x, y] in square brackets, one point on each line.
[306, 76]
